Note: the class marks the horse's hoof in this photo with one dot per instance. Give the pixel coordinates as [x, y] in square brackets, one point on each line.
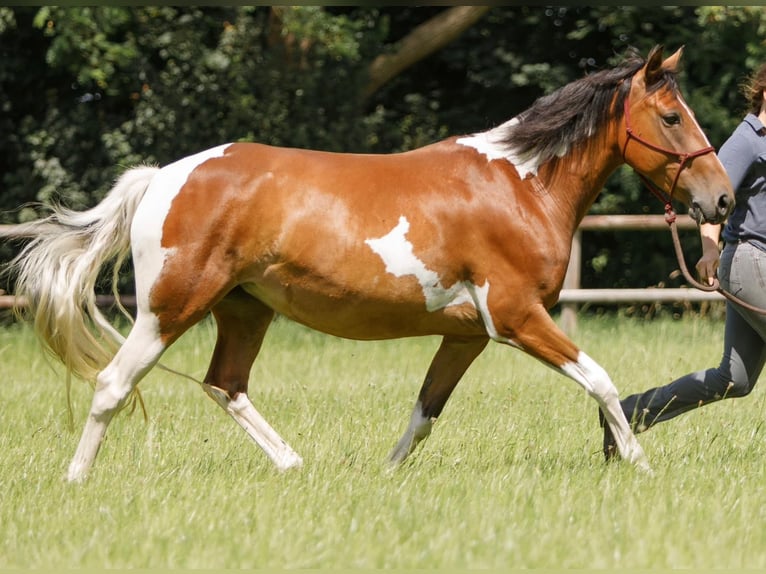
[289, 461]
[609, 445]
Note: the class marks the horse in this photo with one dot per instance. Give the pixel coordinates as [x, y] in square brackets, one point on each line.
[467, 238]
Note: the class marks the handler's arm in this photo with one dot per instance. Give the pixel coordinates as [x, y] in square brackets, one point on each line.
[708, 263]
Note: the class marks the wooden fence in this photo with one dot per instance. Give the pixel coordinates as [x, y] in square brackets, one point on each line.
[571, 295]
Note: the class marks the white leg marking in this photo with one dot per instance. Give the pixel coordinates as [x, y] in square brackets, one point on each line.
[418, 429]
[114, 384]
[400, 260]
[87, 449]
[242, 410]
[595, 380]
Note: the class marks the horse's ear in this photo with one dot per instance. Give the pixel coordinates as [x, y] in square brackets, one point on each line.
[653, 70]
[672, 63]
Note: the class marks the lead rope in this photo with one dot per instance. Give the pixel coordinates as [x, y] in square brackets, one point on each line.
[670, 219]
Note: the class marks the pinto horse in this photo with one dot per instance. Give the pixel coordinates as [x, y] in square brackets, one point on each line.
[468, 238]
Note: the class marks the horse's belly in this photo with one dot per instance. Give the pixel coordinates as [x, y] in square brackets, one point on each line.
[355, 315]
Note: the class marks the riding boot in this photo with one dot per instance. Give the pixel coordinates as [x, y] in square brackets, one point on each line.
[643, 411]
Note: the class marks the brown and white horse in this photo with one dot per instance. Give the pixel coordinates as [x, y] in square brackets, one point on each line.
[468, 238]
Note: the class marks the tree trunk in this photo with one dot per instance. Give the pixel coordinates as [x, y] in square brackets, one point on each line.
[423, 41]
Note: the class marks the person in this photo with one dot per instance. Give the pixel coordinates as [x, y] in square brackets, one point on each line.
[741, 268]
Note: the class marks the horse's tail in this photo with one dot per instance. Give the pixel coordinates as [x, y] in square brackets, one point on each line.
[56, 274]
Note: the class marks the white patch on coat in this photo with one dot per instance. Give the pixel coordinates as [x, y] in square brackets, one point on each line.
[396, 252]
[146, 231]
[480, 295]
[490, 144]
[400, 260]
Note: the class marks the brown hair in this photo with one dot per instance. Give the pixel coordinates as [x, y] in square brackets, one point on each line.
[753, 88]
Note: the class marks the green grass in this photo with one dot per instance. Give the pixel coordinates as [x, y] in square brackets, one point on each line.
[512, 475]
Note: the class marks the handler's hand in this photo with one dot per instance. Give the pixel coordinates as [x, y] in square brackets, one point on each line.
[707, 266]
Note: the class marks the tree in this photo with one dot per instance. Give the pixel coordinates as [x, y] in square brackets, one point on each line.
[423, 41]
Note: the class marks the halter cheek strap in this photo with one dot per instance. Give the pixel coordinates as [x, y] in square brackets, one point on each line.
[683, 159]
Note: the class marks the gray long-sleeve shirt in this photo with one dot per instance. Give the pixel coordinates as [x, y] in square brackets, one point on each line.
[744, 157]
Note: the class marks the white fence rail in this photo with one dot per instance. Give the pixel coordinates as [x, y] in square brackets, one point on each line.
[572, 296]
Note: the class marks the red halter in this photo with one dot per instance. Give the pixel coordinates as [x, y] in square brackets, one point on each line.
[683, 158]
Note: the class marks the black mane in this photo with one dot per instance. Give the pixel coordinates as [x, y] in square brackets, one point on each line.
[574, 113]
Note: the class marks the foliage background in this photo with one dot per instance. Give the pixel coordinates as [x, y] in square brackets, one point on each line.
[87, 91]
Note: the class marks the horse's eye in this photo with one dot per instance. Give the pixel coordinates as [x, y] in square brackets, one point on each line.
[672, 119]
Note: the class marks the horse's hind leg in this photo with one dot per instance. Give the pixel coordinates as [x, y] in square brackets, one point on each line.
[242, 323]
[447, 367]
[114, 384]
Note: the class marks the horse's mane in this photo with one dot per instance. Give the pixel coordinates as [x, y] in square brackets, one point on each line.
[558, 121]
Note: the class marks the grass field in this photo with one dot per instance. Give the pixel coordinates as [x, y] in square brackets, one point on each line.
[512, 475]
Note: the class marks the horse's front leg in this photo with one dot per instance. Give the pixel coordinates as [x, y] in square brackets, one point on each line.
[449, 364]
[535, 333]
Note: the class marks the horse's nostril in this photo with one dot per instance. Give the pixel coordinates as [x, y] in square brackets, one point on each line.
[724, 204]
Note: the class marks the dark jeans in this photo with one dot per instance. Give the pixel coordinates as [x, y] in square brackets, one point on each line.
[743, 272]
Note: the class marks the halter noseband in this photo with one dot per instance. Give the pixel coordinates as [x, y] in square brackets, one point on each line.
[683, 158]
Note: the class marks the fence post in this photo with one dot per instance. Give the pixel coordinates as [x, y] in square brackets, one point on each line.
[572, 281]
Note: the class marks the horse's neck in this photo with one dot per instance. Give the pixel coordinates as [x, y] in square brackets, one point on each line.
[568, 184]
[574, 181]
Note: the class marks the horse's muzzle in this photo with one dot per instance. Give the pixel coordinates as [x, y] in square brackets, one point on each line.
[714, 214]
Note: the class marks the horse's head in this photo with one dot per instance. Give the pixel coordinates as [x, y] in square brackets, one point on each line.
[664, 143]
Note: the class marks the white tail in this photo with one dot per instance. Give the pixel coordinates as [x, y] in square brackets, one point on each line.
[58, 269]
